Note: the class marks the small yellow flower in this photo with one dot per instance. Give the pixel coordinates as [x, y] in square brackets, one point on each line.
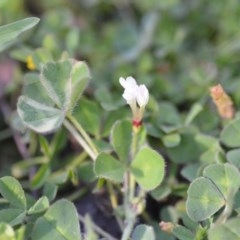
[222, 101]
[30, 63]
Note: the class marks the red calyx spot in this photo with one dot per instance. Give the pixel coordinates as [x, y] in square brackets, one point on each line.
[137, 123]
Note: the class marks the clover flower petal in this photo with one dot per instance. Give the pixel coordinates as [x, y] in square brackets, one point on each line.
[130, 89]
[142, 96]
[128, 83]
[129, 97]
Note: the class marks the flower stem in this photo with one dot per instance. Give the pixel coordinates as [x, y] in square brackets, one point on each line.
[129, 191]
[134, 149]
[79, 127]
[80, 140]
[128, 230]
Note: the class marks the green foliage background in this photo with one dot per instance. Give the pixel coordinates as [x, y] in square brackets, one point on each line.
[177, 48]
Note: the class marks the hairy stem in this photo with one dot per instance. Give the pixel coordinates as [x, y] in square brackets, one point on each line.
[80, 140]
[79, 127]
[129, 191]
[128, 230]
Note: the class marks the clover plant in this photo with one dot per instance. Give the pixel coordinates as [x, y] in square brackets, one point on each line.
[173, 149]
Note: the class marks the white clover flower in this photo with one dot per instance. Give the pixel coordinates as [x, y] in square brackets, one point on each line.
[136, 96]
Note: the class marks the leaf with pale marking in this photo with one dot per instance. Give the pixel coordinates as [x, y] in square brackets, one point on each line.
[39, 117]
[204, 199]
[49, 97]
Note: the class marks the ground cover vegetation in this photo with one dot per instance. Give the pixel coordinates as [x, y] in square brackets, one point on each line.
[119, 120]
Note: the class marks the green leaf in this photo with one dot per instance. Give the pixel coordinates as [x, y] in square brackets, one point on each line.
[152, 130]
[225, 176]
[59, 222]
[72, 40]
[41, 55]
[11, 189]
[109, 102]
[207, 119]
[88, 114]
[148, 168]
[228, 230]
[143, 232]
[34, 89]
[6, 232]
[10, 32]
[168, 116]
[182, 233]
[171, 140]
[109, 167]
[86, 172]
[102, 145]
[161, 192]
[204, 199]
[233, 156]
[41, 205]
[191, 171]
[55, 77]
[188, 150]
[207, 141]
[236, 202]
[80, 75]
[230, 135]
[168, 213]
[111, 117]
[190, 224]
[63, 82]
[50, 190]
[121, 139]
[39, 117]
[12, 216]
[212, 155]
[58, 177]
